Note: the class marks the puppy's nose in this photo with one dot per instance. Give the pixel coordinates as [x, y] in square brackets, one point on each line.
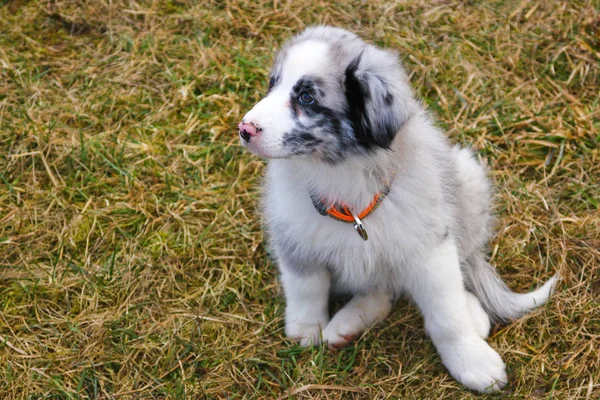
[247, 130]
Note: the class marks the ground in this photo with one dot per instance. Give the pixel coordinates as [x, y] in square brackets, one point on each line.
[132, 261]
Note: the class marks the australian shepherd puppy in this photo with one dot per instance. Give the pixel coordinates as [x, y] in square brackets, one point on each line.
[364, 195]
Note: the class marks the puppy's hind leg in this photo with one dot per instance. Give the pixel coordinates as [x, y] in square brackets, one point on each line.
[355, 317]
[437, 288]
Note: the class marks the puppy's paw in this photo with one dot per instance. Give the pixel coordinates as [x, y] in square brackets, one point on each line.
[306, 332]
[345, 327]
[354, 318]
[475, 364]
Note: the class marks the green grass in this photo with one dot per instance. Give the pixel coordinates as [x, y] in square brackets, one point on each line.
[132, 262]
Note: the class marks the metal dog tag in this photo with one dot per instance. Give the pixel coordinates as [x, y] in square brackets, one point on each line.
[360, 228]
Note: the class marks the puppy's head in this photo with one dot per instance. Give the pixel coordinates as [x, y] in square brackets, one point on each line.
[330, 96]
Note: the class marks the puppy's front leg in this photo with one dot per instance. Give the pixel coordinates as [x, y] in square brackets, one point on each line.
[438, 290]
[307, 297]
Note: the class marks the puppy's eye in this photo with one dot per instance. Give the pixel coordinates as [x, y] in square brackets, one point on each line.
[271, 82]
[306, 98]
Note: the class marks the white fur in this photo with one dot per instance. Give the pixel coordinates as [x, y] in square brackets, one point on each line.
[355, 317]
[439, 292]
[479, 317]
[426, 239]
[431, 276]
[307, 300]
[272, 113]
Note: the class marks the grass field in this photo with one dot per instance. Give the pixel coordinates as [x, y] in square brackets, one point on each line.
[132, 262]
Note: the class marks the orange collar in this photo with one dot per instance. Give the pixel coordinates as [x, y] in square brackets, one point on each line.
[343, 213]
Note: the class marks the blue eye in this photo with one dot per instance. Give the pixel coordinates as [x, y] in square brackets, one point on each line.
[306, 98]
[271, 82]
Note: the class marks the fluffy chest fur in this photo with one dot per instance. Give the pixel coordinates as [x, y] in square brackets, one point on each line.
[415, 215]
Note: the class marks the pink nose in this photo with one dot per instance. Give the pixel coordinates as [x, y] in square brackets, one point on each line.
[248, 130]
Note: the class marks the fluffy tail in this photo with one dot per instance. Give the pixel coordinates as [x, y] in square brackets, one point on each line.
[501, 303]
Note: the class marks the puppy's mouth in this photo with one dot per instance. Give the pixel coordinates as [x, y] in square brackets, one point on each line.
[256, 147]
[253, 146]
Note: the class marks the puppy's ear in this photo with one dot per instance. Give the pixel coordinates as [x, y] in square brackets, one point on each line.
[375, 113]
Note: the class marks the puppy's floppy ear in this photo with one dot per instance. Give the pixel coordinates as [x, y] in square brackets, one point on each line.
[376, 114]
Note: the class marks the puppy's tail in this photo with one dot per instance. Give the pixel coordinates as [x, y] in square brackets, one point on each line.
[501, 303]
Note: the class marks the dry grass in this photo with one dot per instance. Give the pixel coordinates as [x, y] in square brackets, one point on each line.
[132, 263]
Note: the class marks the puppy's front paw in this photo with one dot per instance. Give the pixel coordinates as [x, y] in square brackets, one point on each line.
[306, 332]
[345, 327]
[355, 317]
[475, 364]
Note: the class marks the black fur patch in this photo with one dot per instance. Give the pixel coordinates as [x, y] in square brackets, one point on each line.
[364, 93]
[300, 141]
[319, 129]
[308, 137]
[356, 98]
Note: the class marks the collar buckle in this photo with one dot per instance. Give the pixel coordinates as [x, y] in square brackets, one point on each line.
[362, 232]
